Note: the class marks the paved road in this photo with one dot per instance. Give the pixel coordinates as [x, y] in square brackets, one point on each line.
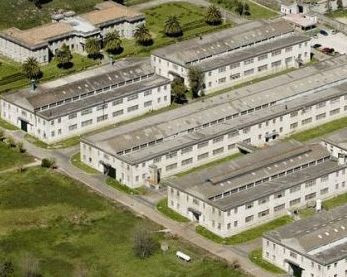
[97, 183]
[226, 14]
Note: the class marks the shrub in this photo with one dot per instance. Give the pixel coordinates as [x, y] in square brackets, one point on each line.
[48, 163]
[144, 243]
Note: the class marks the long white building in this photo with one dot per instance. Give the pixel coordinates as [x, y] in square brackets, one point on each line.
[143, 152]
[86, 101]
[235, 55]
[312, 247]
[251, 190]
[42, 42]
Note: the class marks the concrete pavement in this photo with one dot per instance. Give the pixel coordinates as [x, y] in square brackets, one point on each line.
[97, 183]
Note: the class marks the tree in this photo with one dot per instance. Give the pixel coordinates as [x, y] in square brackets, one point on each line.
[6, 269]
[31, 69]
[178, 91]
[196, 81]
[173, 27]
[339, 4]
[113, 42]
[242, 8]
[93, 48]
[213, 15]
[143, 36]
[64, 56]
[144, 243]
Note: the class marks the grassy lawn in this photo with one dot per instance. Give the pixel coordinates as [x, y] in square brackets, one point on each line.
[115, 184]
[247, 235]
[257, 12]
[337, 13]
[76, 161]
[11, 76]
[162, 207]
[191, 17]
[320, 130]
[69, 229]
[10, 157]
[256, 257]
[214, 163]
[4, 124]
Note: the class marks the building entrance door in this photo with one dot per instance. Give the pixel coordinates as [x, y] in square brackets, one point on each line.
[24, 125]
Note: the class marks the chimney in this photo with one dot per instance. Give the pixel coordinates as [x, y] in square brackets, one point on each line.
[33, 85]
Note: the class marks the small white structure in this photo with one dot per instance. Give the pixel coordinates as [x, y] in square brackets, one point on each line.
[183, 256]
[318, 205]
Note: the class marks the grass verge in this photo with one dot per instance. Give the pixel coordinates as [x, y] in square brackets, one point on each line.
[11, 157]
[256, 257]
[247, 235]
[76, 161]
[320, 130]
[163, 207]
[4, 124]
[115, 184]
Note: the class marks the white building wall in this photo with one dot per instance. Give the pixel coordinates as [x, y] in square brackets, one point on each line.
[74, 124]
[282, 125]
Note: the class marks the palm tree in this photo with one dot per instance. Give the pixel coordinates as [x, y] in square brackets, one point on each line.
[113, 42]
[93, 47]
[64, 56]
[143, 36]
[213, 15]
[31, 68]
[173, 27]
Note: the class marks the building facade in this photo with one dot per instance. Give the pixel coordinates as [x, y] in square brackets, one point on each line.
[251, 190]
[86, 101]
[235, 55]
[143, 153]
[311, 247]
[42, 42]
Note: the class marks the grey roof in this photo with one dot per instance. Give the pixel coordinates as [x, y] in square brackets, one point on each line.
[223, 41]
[168, 145]
[338, 138]
[129, 76]
[320, 237]
[218, 180]
[167, 124]
[251, 52]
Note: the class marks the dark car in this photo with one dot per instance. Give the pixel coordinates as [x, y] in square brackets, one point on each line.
[328, 50]
[323, 32]
[317, 45]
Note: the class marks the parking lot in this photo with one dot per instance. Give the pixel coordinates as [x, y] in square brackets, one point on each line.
[337, 41]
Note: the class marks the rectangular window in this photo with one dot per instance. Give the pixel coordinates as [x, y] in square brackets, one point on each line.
[147, 92]
[203, 156]
[133, 108]
[310, 183]
[133, 97]
[262, 57]
[219, 139]
[324, 191]
[289, 49]
[86, 111]
[279, 207]
[117, 102]
[147, 104]
[248, 72]
[235, 76]
[117, 113]
[222, 69]
[72, 127]
[234, 65]
[262, 68]
[101, 107]
[295, 201]
[249, 218]
[72, 115]
[249, 61]
[320, 116]
[102, 118]
[333, 112]
[295, 188]
[87, 122]
[218, 151]
[187, 161]
[187, 150]
[276, 52]
[222, 80]
[276, 64]
[306, 121]
[310, 196]
[321, 105]
[171, 167]
[294, 125]
[202, 144]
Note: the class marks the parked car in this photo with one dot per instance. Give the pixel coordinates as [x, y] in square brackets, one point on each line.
[323, 32]
[327, 50]
[317, 45]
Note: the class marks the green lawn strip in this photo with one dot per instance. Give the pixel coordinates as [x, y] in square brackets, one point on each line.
[163, 207]
[135, 2]
[11, 157]
[36, 141]
[335, 201]
[69, 229]
[257, 11]
[115, 184]
[337, 13]
[76, 161]
[214, 163]
[247, 235]
[15, 79]
[320, 130]
[256, 257]
[8, 126]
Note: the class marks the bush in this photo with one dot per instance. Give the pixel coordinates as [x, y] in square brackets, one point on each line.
[144, 243]
[11, 142]
[48, 163]
[20, 147]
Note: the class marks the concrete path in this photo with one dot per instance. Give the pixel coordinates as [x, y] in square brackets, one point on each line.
[226, 14]
[33, 164]
[139, 206]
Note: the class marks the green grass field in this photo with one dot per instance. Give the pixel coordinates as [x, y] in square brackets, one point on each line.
[192, 20]
[66, 227]
[115, 184]
[257, 12]
[247, 235]
[10, 157]
[256, 257]
[321, 130]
